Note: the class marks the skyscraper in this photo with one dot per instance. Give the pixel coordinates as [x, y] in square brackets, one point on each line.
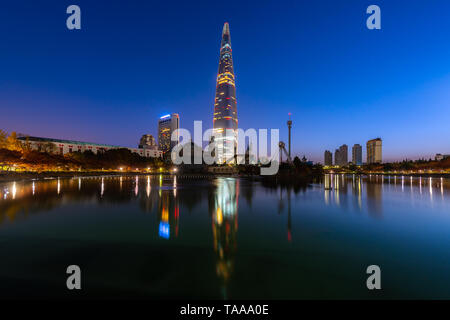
[328, 158]
[357, 154]
[166, 126]
[225, 120]
[374, 152]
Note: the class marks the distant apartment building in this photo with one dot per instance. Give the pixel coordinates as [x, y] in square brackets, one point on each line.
[341, 156]
[440, 157]
[62, 147]
[343, 153]
[336, 157]
[357, 154]
[328, 158]
[166, 126]
[374, 151]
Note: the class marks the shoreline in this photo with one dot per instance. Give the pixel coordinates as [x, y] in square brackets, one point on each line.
[27, 176]
[425, 175]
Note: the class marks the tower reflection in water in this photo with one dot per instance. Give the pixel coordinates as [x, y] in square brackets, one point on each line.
[168, 211]
[224, 209]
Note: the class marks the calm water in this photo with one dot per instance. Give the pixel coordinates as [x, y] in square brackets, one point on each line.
[225, 238]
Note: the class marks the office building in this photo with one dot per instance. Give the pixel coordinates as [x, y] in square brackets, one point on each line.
[166, 127]
[62, 147]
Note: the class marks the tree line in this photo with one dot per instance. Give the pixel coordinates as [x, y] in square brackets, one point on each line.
[17, 155]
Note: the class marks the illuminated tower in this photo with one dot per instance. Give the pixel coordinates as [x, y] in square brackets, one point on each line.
[225, 113]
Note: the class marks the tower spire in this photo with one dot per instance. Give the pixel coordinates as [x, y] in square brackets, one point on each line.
[226, 29]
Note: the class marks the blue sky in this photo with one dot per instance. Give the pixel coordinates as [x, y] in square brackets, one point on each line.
[134, 61]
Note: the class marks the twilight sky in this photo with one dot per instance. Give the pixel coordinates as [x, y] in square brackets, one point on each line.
[134, 61]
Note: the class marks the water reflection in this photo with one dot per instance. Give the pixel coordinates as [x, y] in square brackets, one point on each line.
[168, 215]
[224, 209]
[367, 191]
[356, 192]
[374, 195]
[159, 201]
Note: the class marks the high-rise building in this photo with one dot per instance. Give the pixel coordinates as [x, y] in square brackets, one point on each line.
[148, 142]
[166, 126]
[328, 158]
[337, 157]
[225, 122]
[357, 154]
[341, 156]
[374, 152]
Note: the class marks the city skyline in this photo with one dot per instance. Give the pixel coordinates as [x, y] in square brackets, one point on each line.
[130, 73]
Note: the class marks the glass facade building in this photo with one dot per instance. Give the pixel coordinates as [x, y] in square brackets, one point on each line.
[225, 121]
[166, 126]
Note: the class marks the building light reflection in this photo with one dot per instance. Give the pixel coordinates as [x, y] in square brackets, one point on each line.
[175, 186]
[136, 187]
[225, 224]
[14, 190]
[164, 230]
[431, 188]
[420, 185]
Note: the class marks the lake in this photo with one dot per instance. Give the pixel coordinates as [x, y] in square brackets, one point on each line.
[168, 237]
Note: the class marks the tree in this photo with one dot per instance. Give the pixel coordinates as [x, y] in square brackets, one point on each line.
[297, 162]
[12, 143]
[3, 141]
[26, 146]
[388, 167]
